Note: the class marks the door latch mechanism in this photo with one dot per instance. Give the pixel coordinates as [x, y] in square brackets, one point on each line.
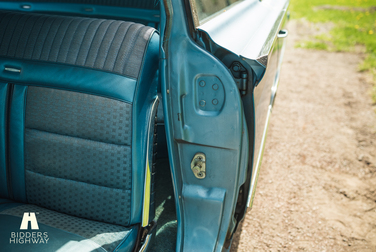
[198, 165]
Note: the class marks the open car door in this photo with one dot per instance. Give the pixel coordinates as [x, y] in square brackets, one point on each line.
[219, 76]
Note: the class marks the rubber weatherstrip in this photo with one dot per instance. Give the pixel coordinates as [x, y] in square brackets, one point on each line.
[7, 140]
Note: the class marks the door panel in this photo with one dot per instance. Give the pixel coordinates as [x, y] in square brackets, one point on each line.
[206, 115]
[203, 115]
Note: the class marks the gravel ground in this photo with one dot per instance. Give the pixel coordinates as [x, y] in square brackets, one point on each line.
[317, 186]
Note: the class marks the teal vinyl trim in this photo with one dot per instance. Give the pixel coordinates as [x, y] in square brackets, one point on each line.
[145, 95]
[16, 143]
[3, 163]
[72, 78]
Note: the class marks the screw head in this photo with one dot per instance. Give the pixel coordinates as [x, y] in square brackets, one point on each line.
[202, 103]
[201, 175]
[215, 86]
[202, 83]
[215, 101]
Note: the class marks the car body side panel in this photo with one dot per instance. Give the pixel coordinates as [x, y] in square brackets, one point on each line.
[264, 101]
[262, 96]
[281, 50]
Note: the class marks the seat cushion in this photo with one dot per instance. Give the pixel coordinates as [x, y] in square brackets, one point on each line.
[59, 231]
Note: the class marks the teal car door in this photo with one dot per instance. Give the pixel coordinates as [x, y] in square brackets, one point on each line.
[218, 67]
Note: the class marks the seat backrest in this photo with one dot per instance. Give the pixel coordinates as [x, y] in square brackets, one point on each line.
[80, 102]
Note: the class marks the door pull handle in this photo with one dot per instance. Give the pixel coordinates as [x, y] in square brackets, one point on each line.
[282, 34]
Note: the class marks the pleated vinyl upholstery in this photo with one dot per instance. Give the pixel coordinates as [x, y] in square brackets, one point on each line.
[108, 45]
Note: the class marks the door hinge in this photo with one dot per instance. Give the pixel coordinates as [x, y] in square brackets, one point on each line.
[240, 76]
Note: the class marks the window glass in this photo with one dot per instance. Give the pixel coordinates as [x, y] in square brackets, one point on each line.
[207, 8]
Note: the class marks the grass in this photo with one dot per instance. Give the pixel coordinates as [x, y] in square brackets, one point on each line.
[354, 24]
